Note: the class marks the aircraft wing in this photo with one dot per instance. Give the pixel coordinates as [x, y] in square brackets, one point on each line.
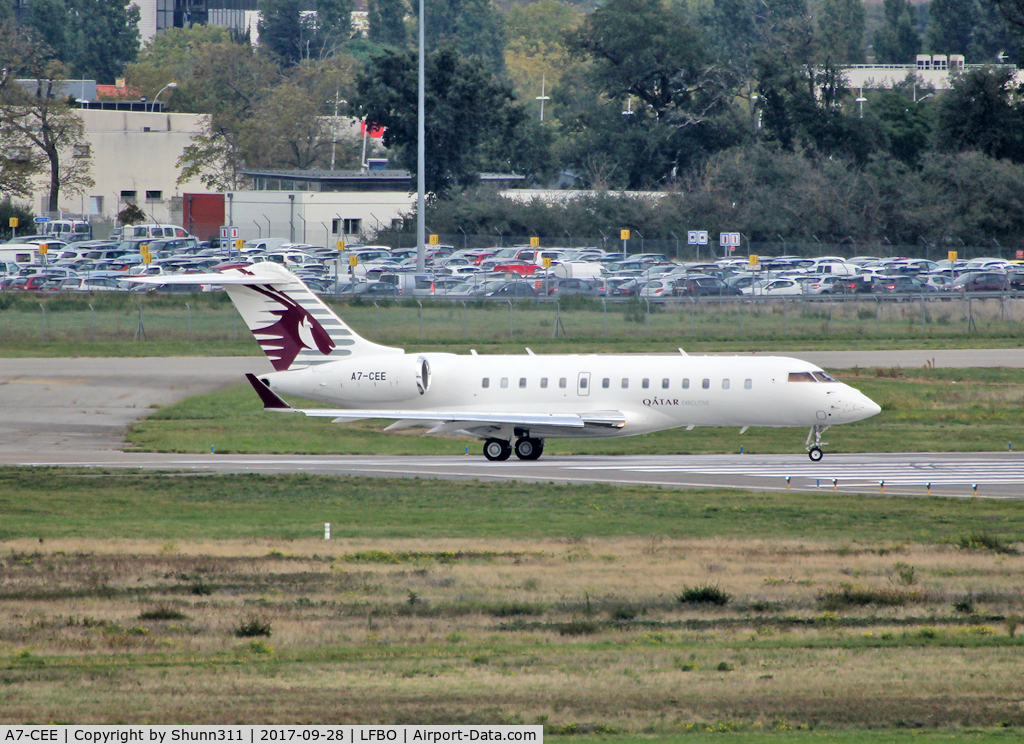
[463, 419]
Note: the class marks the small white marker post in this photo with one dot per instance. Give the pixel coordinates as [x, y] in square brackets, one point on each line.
[327, 530]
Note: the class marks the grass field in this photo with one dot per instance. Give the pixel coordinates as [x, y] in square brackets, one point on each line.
[922, 410]
[208, 324]
[214, 599]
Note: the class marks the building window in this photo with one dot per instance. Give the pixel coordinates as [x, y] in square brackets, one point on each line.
[686, 383]
[335, 225]
[504, 382]
[486, 382]
[705, 383]
[522, 382]
[81, 151]
[351, 227]
[748, 384]
[725, 384]
[561, 382]
[645, 383]
[664, 384]
[154, 195]
[128, 196]
[606, 382]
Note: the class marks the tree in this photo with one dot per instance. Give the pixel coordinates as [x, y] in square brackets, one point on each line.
[333, 23]
[905, 124]
[274, 137]
[536, 56]
[283, 35]
[107, 38]
[38, 117]
[978, 114]
[951, 25]
[467, 108]
[897, 41]
[387, 22]
[475, 28]
[841, 27]
[213, 156]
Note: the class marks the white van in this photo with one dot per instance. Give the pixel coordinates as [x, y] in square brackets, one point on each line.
[264, 244]
[21, 253]
[67, 228]
[153, 231]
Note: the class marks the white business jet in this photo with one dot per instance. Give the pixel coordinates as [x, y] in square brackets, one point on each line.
[516, 402]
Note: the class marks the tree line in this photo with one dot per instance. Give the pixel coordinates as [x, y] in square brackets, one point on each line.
[639, 94]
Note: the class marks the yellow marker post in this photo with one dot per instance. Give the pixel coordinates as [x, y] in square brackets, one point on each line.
[754, 258]
[434, 239]
[535, 242]
[239, 244]
[952, 256]
[624, 234]
[546, 262]
[353, 260]
[341, 245]
[12, 222]
[44, 248]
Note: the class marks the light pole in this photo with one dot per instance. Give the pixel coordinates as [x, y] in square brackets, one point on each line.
[861, 100]
[542, 98]
[152, 105]
[334, 125]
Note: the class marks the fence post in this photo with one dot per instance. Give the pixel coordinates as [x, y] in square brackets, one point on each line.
[419, 314]
[140, 331]
[785, 319]
[604, 311]
[510, 307]
[92, 323]
[43, 307]
[378, 320]
[739, 314]
[924, 315]
[648, 319]
[465, 328]
[188, 335]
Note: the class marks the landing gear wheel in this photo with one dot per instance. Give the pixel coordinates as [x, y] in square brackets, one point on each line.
[529, 448]
[815, 454]
[814, 449]
[497, 449]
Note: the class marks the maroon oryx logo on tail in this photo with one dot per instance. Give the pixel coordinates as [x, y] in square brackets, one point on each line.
[294, 330]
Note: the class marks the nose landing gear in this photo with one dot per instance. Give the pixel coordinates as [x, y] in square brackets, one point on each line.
[814, 450]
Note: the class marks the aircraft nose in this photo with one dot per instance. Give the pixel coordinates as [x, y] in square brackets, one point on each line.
[860, 407]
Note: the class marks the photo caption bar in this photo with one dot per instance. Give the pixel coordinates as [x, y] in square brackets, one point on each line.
[268, 734]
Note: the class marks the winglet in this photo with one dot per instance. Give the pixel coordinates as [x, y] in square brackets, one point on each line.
[271, 400]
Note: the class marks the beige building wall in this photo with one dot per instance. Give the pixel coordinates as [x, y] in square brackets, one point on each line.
[133, 152]
[315, 217]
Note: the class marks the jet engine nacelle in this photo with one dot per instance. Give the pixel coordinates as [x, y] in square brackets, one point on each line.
[357, 382]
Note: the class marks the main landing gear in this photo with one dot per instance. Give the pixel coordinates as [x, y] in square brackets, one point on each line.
[814, 450]
[527, 448]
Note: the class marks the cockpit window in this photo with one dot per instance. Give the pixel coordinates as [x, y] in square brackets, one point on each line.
[800, 377]
[824, 377]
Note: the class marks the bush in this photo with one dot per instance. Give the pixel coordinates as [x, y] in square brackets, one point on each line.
[985, 541]
[705, 594]
[252, 628]
[163, 612]
[578, 626]
[848, 595]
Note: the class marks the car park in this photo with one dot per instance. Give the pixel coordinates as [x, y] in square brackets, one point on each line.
[703, 286]
[981, 281]
[895, 284]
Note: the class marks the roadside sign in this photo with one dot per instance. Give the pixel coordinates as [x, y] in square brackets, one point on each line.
[535, 242]
[702, 237]
[952, 255]
[353, 260]
[691, 237]
[753, 259]
[239, 244]
[434, 239]
[44, 248]
[234, 233]
[223, 232]
[546, 261]
[41, 220]
[12, 222]
[624, 234]
[341, 245]
[1020, 254]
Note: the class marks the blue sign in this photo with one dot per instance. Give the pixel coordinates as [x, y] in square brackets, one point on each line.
[40, 220]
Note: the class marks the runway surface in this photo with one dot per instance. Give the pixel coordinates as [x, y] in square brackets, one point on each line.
[986, 475]
[74, 412]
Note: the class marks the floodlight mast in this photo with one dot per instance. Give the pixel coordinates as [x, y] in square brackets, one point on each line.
[421, 218]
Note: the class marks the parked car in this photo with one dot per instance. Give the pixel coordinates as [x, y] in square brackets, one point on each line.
[90, 284]
[779, 287]
[514, 289]
[703, 286]
[895, 284]
[981, 281]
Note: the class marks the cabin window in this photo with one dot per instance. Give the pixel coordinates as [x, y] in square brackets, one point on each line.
[561, 382]
[606, 382]
[748, 384]
[543, 382]
[725, 384]
[664, 383]
[486, 382]
[522, 382]
[504, 382]
[705, 383]
[645, 383]
[686, 383]
[800, 377]
[583, 383]
[625, 383]
[824, 377]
